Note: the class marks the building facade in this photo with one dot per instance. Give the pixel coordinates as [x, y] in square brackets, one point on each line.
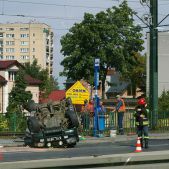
[163, 61]
[25, 42]
[8, 70]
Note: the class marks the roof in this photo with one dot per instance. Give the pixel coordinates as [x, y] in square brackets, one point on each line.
[118, 86]
[8, 63]
[55, 95]
[32, 81]
[2, 80]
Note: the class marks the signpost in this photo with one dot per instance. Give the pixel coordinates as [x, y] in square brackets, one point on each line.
[78, 93]
[96, 84]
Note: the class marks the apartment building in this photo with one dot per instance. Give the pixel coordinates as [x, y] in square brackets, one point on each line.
[25, 42]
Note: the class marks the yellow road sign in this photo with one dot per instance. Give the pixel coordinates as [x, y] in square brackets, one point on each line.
[78, 93]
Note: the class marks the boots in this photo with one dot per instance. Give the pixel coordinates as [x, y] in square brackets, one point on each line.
[146, 143]
[121, 131]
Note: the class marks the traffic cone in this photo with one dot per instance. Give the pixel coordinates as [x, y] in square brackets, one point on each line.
[138, 146]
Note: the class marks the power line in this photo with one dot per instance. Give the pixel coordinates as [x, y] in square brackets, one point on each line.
[53, 4]
[41, 17]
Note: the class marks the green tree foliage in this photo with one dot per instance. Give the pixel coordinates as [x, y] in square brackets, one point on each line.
[18, 96]
[110, 35]
[48, 83]
[137, 75]
[163, 103]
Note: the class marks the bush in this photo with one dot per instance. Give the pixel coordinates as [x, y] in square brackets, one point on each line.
[16, 122]
[163, 103]
[4, 125]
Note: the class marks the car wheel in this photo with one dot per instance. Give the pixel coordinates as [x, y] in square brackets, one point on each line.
[33, 125]
[72, 118]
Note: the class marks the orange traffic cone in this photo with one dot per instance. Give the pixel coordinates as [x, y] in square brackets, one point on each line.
[138, 146]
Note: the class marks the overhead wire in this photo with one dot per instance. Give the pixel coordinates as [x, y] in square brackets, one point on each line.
[54, 4]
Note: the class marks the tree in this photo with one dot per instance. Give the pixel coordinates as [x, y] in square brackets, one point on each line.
[164, 102]
[111, 36]
[48, 83]
[137, 74]
[18, 96]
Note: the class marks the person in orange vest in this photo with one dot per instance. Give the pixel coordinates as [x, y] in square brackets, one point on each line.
[120, 108]
[85, 119]
[91, 107]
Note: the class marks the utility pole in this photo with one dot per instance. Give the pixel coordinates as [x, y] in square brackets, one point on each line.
[153, 81]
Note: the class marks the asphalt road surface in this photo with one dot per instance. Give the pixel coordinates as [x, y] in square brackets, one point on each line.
[143, 166]
[82, 149]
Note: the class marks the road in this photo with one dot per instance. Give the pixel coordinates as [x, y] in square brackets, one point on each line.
[82, 149]
[143, 166]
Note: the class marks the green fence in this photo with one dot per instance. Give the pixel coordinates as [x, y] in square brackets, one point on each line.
[14, 122]
[128, 123]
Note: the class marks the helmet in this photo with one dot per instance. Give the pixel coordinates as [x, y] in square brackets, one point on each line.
[141, 101]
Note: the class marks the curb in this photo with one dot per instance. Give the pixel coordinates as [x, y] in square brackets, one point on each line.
[118, 159]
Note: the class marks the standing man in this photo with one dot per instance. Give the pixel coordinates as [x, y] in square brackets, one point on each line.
[121, 109]
[142, 122]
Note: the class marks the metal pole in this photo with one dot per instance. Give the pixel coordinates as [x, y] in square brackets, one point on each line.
[96, 83]
[153, 88]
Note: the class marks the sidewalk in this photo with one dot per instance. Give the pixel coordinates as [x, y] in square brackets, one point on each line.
[119, 138]
[89, 139]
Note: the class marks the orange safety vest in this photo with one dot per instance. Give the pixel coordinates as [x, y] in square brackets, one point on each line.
[123, 107]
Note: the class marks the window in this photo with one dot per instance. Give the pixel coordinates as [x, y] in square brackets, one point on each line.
[24, 43]
[24, 35]
[10, 29]
[33, 42]
[1, 35]
[1, 43]
[1, 29]
[10, 43]
[1, 57]
[33, 56]
[11, 76]
[10, 35]
[1, 50]
[10, 57]
[10, 50]
[24, 50]
[33, 50]
[33, 34]
[24, 29]
[24, 57]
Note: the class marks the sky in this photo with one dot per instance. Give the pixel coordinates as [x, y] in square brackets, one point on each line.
[61, 15]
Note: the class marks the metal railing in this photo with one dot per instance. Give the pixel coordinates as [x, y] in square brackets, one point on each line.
[111, 121]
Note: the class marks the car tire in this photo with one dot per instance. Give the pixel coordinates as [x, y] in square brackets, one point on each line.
[72, 118]
[33, 125]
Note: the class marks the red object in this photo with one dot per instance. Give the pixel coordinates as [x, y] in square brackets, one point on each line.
[55, 95]
[141, 101]
[138, 146]
[32, 81]
[9, 63]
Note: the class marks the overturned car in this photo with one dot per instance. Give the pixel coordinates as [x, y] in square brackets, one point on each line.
[52, 124]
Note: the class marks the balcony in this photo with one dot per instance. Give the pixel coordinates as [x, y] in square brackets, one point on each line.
[51, 49]
[51, 63]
